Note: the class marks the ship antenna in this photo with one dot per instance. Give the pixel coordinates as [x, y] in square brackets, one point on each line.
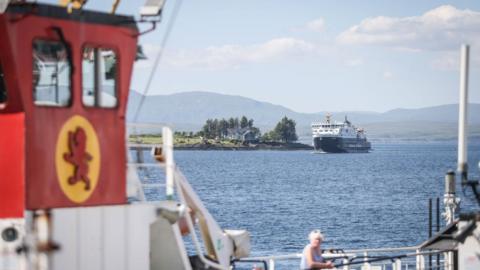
[462, 125]
[157, 59]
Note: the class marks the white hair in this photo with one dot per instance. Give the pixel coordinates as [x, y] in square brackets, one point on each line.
[316, 234]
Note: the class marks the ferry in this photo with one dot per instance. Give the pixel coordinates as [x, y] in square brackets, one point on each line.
[71, 196]
[339, 137]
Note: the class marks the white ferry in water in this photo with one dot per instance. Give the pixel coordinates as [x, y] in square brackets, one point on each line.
[336, 137]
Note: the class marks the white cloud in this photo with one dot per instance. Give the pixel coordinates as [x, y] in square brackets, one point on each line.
[232, 56]
[354, 62]
[387, 75]
[447, 61]
[451, 60]
[317, 25]
[442, 28]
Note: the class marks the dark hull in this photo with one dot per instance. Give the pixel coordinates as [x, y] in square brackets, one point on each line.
[341, 145]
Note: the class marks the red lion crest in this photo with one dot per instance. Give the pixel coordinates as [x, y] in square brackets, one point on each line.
[78, 157]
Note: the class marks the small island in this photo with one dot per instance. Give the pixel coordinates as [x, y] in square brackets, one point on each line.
[231, 134]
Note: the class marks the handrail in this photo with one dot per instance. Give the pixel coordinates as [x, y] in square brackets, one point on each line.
[361, 256]
[335, 255]
[382, 249]
[179, 177]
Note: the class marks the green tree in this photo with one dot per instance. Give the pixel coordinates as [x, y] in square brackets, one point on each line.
[215, 129]
[218, 128]
[209, 129]
[285, 130]
[223, 126]
[231, 122]
[250, 123]
[243, 122]
[270, 136]
[236, 123]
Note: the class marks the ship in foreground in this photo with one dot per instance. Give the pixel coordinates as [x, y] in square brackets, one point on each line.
[71, 195]
[339, 137]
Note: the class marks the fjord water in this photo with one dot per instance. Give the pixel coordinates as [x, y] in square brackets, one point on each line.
[377, 199]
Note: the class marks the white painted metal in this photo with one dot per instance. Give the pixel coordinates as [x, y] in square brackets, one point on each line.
[462, 132]
[9, 259]
[397, 264]
[167, 136]
[271, 264]
[468, 251]
[168, 250]
[336, 129]
[115, 247]
[463, 103]
[152, 8]
[107, 237]
[415, 258]
[3, 5]
[241, 241]
[134, 185]
[371, 267]
[346, 266]
[366, 265]
[450, 201]
[216, 242]
[420, 261]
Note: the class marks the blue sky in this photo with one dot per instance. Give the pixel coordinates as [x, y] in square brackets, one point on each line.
[315, 56]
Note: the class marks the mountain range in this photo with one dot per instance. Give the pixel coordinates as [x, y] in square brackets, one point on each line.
[188, 111]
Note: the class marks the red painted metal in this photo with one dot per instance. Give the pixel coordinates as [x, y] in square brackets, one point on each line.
[12, 158]
[43, 124]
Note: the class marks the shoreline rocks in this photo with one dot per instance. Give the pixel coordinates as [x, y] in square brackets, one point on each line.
[245, 147]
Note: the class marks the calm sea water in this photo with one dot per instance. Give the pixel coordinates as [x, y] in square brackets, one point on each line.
[377, 199]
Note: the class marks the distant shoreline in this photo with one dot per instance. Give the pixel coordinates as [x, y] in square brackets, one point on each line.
[197, 143]
[246, 147]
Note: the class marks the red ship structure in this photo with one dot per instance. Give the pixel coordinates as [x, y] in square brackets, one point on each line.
[64, 204]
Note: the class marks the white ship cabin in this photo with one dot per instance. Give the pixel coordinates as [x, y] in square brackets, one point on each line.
[338, 129]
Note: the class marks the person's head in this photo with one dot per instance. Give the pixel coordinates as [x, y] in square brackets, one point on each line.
[316, 238]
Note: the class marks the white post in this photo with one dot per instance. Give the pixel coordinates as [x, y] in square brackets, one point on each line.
[397, 264]
[169, 165]
[420, 262]
[462, 116]
[346, 265]
[365, 259]
[271, 264]
[450, 201]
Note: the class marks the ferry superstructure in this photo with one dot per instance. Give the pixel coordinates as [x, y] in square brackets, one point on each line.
[339, 137]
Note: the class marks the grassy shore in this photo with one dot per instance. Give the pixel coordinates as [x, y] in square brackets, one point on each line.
[197, 143]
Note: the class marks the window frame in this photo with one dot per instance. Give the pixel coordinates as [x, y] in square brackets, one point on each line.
[96, 87]
[3, 88]
[70, 75]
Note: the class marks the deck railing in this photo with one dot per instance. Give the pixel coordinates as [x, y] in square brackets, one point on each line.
[402, 258]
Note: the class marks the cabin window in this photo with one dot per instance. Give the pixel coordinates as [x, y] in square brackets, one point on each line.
[51, 74]
[99, 75]
[3, 90]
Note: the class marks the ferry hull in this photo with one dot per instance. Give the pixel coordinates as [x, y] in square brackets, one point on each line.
[341, 145]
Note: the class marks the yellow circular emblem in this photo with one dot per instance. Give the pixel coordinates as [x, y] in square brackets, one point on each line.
[77, 159]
